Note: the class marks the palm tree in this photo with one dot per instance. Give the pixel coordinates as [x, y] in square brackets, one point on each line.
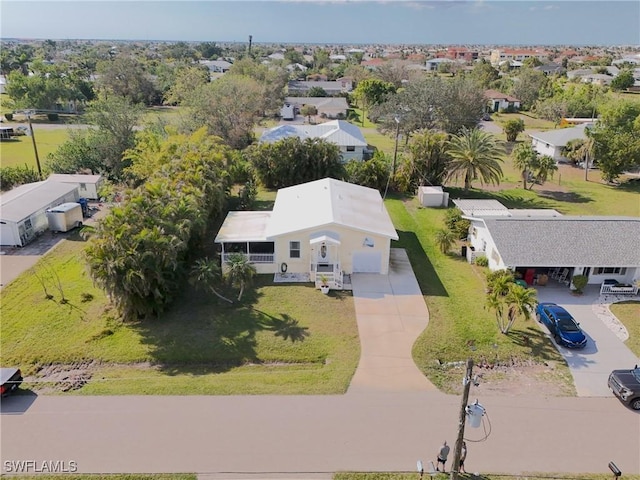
[474, 154]
[524, 159]
[445, 239]
[206, 273]
[240, 271]
[546, 168]
[520, 301]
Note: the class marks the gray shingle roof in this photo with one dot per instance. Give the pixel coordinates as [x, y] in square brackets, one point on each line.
[560, 137]
[567, 241]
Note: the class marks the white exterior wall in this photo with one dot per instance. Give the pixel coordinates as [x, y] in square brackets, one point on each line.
[357, 154]
[632, 273]
[90, 190]
[350, 241]
[481, 241]
[546, 149]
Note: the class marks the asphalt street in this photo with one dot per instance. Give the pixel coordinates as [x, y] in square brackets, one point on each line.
[296, 434]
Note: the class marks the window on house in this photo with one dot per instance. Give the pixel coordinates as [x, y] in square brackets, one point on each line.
[27, 224]
[294, 249]
[351, 148]
[610, 270]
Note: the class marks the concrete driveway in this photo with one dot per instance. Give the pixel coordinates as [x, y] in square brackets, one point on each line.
[391, 313]
[604, 352]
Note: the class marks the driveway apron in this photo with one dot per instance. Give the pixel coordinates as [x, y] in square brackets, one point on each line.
[391, 313]
[604, 351]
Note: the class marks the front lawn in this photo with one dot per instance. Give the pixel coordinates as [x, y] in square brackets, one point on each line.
[19, 151]
[282, 338]
[629, 314]
[459, 325]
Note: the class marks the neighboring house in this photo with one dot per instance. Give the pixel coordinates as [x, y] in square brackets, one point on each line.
[328, 107]
[602, 248]
[519, 55]
[433, 64]
[276, 56]
[499, 101]
[88, 185]
[296, 67]
[597, 79]
[551, 69]
[299, 87]
[326, 227]
[579, 73]
[23, 209]
[3, 84]
[553, 142]
[347, 136]
[216, 66]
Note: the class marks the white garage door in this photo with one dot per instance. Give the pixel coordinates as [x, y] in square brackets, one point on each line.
[6, 235]
[367, 262]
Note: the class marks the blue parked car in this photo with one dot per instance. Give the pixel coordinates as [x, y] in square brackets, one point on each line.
[565, 330]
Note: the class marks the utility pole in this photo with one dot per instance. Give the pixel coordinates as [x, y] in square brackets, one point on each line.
[455, 467]
[250, 40]
[395, 148]
[28, 113]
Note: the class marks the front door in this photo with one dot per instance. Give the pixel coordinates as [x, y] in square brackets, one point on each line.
[324, 255]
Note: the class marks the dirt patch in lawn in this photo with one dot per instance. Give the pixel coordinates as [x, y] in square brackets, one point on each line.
[519, 379]
[542, 380]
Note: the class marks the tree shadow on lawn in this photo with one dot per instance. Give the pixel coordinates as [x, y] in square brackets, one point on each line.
[539, 344]
[203, 334]
[423, 269]
[512, 200]
[568, 197]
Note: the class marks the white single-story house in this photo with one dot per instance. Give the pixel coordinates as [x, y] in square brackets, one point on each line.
[216, 66]
[329, 107]
[500, 101]
[23, 209]
[344, 134]
[326, 227]
[597, 79]
[602, 248]
[88, 185]
[433, 64]
[301, 87]
[553, 142]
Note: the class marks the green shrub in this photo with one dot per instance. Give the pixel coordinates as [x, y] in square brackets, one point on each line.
[482, 261]
[579, 282]
[8, 116]
[53, 117]
[19, 175]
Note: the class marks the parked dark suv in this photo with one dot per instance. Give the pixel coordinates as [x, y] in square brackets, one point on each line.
[625, 384]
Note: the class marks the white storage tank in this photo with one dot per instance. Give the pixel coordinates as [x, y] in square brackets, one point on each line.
[433, 196]
[65, 217]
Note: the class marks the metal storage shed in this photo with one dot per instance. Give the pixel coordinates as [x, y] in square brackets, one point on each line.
[88, 185]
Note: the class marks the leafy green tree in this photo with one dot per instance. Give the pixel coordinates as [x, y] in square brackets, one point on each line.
[372, 173]
[240, 271]
[445, 104]
[126, 77]
[140, 251]
[512, 128]
[372, 91]
[293, 56]
[292, 161]
[209, 50]
[272, 79]
[623, 80]
[456, 224]
[42, 90]
[229, 107]
[531, 62]
[426, 162]
[616, 139]
[484, 74]
[316, 92]
[187, 80]
[308, 110]
[475, 154]
[531, 86]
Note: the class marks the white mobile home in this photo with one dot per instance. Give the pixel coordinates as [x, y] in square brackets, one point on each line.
[88, 185]
[23, 209]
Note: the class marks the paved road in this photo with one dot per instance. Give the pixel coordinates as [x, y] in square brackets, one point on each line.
[604, 352]
[294, 434]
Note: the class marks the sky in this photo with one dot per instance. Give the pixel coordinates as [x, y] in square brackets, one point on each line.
[483, 22]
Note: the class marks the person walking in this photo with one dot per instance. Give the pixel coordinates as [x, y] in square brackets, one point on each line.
[463, 456]
[443, 453]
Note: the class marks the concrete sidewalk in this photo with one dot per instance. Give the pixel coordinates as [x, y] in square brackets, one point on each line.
[391, 314]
